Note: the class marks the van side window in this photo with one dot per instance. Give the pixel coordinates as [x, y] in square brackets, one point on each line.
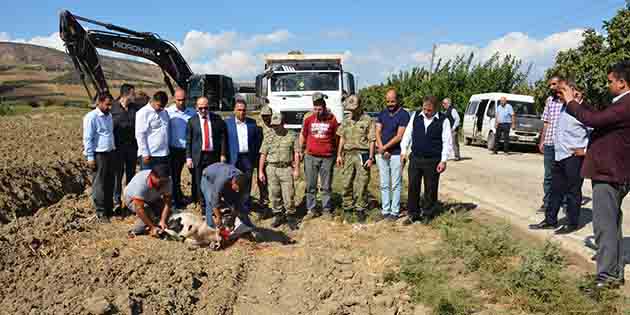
[472, 108]
[492, 109]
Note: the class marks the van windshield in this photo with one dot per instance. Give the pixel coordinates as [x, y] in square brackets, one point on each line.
[523, 108]
[305, 81]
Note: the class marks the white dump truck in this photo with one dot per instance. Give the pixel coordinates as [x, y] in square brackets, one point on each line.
[289, 81]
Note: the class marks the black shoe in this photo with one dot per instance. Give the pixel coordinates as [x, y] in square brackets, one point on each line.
[544, 225]
[598, 286]
[566, 229]
[292, 222]
[279, 220]
[361, 217]
[495, 153]
[542, 209]
[391, 218]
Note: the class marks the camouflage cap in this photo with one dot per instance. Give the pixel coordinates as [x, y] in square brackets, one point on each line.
[352, 102]
[265, 110]
[276, 119]
[318, 96]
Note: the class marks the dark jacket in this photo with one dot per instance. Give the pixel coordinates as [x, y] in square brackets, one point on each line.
[124, 124]
[194, 137]
[608, 155]
[254, 140]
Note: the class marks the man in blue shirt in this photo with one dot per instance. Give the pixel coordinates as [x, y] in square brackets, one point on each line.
[178, 115]
[222, 185]
[570, 142]
[504, 120]
[390, 128]
[98, 148]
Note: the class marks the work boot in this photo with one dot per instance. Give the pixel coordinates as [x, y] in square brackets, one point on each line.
[102, 219]
[292, 222]
[361, 217]
[278, 220]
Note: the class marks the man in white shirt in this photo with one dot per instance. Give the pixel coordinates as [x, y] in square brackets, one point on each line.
[152, 130]
[426, 143]
[179, 114]
[453, 117]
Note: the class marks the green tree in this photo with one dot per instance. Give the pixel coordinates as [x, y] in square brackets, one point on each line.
[588, 63]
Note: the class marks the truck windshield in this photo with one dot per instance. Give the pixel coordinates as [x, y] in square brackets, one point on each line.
[523, 108]
[305, 81]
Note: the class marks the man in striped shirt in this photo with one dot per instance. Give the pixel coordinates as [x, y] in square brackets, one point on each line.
[553, 106]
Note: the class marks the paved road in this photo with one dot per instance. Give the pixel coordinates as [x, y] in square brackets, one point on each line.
[511, 187]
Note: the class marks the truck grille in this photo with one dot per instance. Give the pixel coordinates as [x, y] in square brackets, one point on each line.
[293, 118]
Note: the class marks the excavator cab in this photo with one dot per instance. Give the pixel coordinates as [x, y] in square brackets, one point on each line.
[219, 90]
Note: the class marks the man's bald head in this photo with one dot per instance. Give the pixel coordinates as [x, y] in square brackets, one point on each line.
[503, 100]
[202, 101]
[391, 98]
[180, 98]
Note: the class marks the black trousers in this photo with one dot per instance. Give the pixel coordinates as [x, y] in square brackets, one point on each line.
[245, 165]
[566, 181]
[126, 159]
[422, 169]
[503, 133]
[155, 160]
[103, 182]
[177, 162]
[206, 159]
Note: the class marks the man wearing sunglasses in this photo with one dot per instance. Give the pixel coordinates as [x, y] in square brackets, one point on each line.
[205, 144]
[179, 114]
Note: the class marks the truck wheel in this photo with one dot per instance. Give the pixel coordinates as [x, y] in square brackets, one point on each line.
[467, 141]
[490, 142]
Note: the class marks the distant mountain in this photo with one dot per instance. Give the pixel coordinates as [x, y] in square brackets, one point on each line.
[41, 74]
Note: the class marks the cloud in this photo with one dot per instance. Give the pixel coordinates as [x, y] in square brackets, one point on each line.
[238, 64]
[267, 39]
[51, 41]
[197, 44]
[539, 52]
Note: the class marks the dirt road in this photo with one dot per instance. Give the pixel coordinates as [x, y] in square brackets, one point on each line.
[511, 187]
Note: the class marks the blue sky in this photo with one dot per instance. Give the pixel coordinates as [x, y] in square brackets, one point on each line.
[378, 37]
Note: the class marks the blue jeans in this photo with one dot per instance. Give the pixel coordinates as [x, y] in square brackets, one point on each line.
[549, 154]
[391, 177]
[232, 202]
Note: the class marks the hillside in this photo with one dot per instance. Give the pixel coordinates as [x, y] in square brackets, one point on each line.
[30, 73]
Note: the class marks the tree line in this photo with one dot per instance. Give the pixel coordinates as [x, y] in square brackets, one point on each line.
[459, 78]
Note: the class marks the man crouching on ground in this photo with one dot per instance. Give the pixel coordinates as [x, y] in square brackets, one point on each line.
[148, 195]
[221, 185]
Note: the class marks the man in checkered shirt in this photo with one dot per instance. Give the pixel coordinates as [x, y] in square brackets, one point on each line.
[550, 116]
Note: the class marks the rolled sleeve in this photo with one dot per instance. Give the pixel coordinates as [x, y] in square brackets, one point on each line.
[89, 146]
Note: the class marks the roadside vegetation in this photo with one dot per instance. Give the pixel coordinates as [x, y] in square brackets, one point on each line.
[485, 268]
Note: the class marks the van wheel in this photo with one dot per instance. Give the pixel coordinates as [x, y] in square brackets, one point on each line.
[467, 141]
[490, 142]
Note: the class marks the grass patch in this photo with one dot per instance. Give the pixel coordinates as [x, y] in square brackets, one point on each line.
[11, 110]
[525, 277]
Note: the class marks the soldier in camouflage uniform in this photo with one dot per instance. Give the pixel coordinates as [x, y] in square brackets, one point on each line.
[277, 155]
[356, 156]
[264, 125]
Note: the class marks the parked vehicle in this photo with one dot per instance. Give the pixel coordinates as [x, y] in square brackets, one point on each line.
[479, 119]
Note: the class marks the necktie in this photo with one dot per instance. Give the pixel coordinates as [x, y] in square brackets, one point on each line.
[206, 135]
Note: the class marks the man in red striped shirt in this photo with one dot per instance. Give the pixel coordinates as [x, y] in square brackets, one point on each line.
[319, 135]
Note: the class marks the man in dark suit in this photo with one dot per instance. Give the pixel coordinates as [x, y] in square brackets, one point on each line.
[244, 141]
[205, 144]
[607, 164]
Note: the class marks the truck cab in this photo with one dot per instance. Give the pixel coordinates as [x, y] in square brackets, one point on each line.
[289, 81]
[479, 119]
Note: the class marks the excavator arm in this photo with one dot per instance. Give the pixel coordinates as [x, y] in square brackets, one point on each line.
[81, 46]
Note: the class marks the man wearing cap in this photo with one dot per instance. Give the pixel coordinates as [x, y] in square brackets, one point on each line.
[148, 195]
[265, 126]
[319, 138]
[356, 154]
[278, 158]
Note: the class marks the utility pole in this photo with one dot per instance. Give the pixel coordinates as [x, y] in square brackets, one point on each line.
[433, 58]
